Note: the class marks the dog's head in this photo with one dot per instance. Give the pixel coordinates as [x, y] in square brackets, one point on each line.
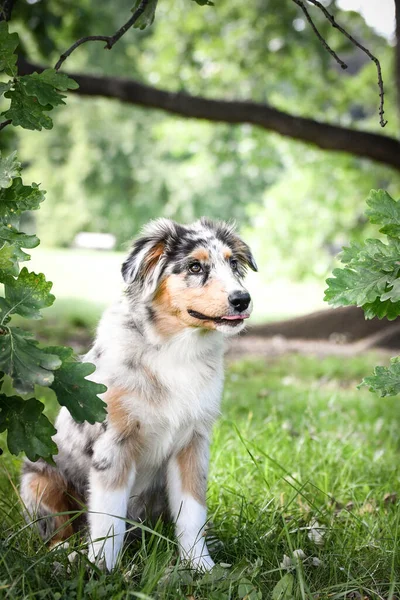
[191, 276]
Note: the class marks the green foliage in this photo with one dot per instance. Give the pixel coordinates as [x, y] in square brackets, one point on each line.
[371, 276]
[24, 361]
[25, 296]
[27, 293]
[386, 380]
[74, 391]
[371, 280]
[31, 96]
[10, 169]
[8, 45]
[147, 17]
[28, 429]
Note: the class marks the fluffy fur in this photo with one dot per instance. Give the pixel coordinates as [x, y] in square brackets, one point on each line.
[159, 350]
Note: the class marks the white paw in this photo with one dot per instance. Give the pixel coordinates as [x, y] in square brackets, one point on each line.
[203, 562]
[97, 555]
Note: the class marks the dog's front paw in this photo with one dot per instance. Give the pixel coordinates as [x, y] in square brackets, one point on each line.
[202, 563]
[199, 561]
[98, 556]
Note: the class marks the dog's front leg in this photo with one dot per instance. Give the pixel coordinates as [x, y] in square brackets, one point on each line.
[187, 485]
[110, 488]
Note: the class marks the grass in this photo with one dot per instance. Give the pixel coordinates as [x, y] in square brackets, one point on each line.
[301, 460]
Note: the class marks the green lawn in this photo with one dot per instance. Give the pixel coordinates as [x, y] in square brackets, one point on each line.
[301, 461]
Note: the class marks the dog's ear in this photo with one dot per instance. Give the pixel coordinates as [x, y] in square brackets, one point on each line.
[147, 260]
[226, 232]
[245, 255]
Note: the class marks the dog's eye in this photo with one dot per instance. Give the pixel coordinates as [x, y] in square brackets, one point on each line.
[234, 264]
[195, 268]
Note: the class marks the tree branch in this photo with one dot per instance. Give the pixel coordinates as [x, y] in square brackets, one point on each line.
[109, 39]
[4, 124]
[397, 52]
[334, 24]
[377, 147]
[319, 36]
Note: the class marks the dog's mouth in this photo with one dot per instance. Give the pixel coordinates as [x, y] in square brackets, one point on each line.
[231, 320]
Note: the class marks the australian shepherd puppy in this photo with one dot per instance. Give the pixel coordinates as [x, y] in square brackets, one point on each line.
[159, 351]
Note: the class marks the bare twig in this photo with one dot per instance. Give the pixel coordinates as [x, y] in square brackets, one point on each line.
[109, 39]
[334, 24]
[4, 124]
[319, 36]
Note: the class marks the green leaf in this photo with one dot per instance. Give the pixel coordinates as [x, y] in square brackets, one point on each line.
[25, 296]
[284, 588]
[8, 44]
[248, 591]
[73, 390]
[24, 361]
[46, 94]
[26, 111]
[386, 380]
[7, 258]
[4, 87]
[387, 309]
[18, 198]
[384, 211]
[393, 294]
[354, 287]
[9, 169]
[10, 234]
[51, 77]
[29, 430]
[371, 273]
[147, 17]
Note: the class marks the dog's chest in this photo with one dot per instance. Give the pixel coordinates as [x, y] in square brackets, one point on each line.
[189, 402]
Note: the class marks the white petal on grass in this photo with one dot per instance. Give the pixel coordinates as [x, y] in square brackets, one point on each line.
[288, 564]
[316, 533]
[299, 554]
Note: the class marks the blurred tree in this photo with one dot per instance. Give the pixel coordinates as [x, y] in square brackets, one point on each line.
[117, 165]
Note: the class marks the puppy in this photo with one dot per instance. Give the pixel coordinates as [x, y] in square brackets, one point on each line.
[159, 351]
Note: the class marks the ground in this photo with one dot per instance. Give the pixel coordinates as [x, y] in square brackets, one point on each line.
[303, 499]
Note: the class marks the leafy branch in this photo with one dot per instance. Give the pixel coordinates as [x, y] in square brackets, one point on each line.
[33, 96]
[371, 280]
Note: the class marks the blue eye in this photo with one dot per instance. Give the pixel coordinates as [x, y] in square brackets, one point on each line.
[195, 268]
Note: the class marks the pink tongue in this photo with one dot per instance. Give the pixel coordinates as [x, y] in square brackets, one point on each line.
[235, 317]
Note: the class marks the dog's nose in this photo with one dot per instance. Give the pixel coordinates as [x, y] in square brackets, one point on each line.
[239, 300]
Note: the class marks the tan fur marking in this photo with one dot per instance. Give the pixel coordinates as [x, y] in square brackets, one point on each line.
[131, 437]
[200, 254]
[152, 258]
[173, 300]
[157, 387]
[227, 253]
[194, 479]
[118, 414]
[56, 496]
[168, 322]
